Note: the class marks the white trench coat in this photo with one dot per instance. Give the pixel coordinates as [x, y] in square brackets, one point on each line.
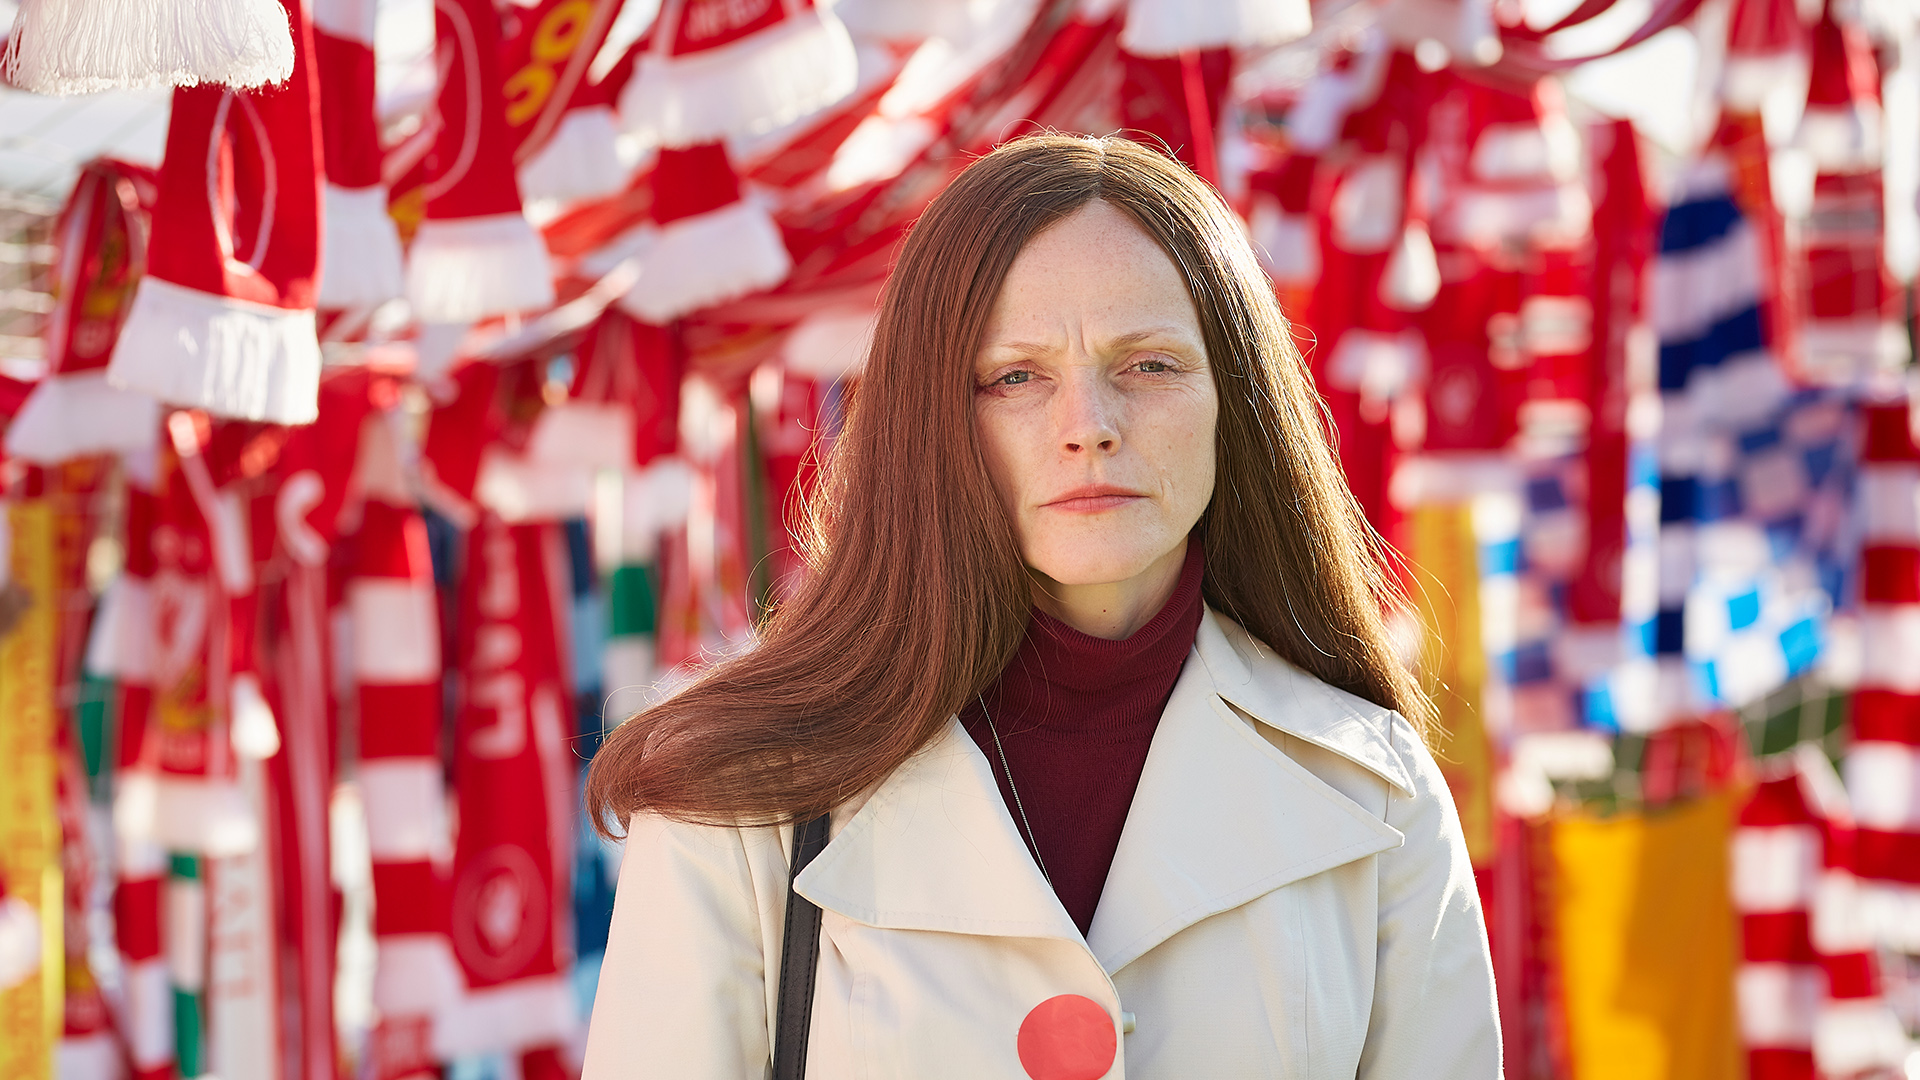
[1291, 898]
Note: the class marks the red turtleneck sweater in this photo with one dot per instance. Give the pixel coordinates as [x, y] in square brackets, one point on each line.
[1077, 715]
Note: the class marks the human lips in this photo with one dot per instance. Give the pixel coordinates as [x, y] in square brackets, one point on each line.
[1092, 499]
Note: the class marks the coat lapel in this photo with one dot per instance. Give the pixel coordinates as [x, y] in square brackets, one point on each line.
[1222, 816]
[935, 849]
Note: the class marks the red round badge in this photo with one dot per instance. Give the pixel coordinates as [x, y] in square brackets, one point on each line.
[1067, 1038]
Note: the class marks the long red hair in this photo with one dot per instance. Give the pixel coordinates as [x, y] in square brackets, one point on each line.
[916, 596]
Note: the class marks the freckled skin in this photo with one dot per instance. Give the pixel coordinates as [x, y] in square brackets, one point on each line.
[1094, 372]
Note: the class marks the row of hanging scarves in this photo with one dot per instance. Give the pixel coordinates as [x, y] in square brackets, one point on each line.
[1749, 478]
[1808, 987]
[1498, 544]
[194, 996]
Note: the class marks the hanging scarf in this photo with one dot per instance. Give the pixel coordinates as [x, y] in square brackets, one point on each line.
[396, 665]
[510, 925]
[1809, 991]
[360, 264]
[85, 46]
[1854, 310]
[224, 318]
[122, 649]
[298, 513]
[185, 795]
[1601, 651]
[1281, 221]
[704, 242]
[1766, 49]
[1176, 100]
[554, 110]
[638, 366]
[475, 255]
[1886, 704]
[102, 241]
[1175, 27]
[714, 68]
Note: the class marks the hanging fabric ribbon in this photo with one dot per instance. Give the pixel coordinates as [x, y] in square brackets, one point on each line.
[224, 319]
[396, 663]
[1886, 705]
[546, 58]
[102, 251]
[476, 255]
[1173, 27]
[511, 912]
[122, 648]
[360, 255]
[705, 244]
[714, 68]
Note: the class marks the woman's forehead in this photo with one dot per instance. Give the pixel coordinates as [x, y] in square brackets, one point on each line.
[1095, 271]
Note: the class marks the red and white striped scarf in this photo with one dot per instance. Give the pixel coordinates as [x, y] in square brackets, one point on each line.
[224, 319]
[476, 255]
[511, 908]
[360, 265]
[102, 241]
[1809, 993]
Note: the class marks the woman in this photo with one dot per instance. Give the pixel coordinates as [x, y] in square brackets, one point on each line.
[1091, 671]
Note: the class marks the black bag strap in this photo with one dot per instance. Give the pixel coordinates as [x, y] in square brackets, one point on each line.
[799, 958]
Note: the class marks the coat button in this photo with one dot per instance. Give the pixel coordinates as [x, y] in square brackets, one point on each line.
[1068, 1037]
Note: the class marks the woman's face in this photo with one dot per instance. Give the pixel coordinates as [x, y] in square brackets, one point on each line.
[1095, 403]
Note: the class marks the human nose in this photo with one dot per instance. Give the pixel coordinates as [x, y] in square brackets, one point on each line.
[1087, 416]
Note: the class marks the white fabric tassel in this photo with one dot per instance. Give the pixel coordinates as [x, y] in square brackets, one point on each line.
[84, 46]
[1171, 27]
[360, 253]
[698, 261]
[751, 86]
[579, 161]
[68, 416]
[462, 270]
[231, 357]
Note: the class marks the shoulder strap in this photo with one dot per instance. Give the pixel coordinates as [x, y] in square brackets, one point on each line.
[799, 957]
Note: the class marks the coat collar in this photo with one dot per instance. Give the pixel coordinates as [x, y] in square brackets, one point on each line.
[1220, 817]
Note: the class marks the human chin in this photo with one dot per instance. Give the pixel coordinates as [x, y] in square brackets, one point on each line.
[1102, 553]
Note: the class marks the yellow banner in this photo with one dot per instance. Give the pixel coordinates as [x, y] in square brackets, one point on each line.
[30, 1017]
[1446, 559]
[1646, 934]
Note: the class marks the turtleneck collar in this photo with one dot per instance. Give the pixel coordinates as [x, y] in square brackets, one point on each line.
[1060, 671]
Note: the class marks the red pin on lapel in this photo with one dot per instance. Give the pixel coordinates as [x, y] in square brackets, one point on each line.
[1068, 1037]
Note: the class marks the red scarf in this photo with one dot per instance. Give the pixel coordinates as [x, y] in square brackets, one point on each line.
[361, 264]
[1176, 27]
[1809, 988]
[511, 926]
[1623, 231]
[714, 68]
[224, 319]
[705, 244]
[122, 649]
[1886, 705]
[578, 158]
[102, 238]
[475, 256]
[545, 56]
[396, 664]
